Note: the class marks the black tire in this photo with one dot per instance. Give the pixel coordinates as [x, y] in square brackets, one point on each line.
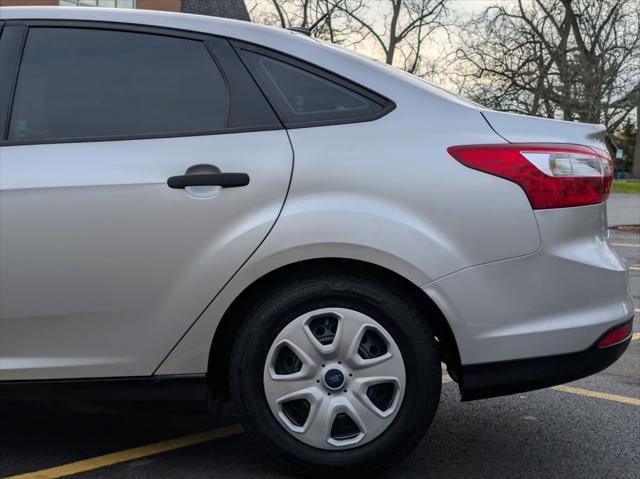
[395, 312]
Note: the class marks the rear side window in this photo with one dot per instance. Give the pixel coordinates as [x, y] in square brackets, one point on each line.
[79, 83]
[305, 96]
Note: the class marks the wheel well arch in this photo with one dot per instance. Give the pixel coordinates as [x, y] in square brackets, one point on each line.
[225, 334]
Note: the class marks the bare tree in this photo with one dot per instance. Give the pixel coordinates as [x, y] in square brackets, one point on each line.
[572, 59]
[401, 28]
[397, 31]
[336, 23]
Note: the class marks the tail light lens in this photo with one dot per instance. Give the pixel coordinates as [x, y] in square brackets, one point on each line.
[552, 175]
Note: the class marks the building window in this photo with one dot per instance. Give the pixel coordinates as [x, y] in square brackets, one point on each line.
[99, 3]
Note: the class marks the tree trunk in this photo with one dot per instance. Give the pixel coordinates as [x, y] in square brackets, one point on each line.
[635, 167]
[391, 50]
[390, 53]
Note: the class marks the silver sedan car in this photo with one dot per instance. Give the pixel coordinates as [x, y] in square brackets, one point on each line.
[197, 209]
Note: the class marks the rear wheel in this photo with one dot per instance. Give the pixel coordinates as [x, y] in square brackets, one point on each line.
[336, 373]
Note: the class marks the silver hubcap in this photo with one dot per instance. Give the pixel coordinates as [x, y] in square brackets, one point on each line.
[334, 378]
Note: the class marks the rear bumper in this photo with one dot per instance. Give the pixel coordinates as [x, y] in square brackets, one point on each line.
[479, 381]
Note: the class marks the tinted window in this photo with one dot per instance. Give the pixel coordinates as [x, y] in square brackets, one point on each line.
[83, 83]
[301, 96]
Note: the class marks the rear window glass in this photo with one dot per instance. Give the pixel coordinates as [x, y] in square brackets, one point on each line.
[302, 97]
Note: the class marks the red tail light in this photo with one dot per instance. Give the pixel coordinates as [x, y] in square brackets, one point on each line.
[552, 175]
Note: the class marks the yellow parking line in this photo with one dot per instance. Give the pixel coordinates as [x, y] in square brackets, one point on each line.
[130, 454]
[635, 336]
[597, 394]
[634, 267]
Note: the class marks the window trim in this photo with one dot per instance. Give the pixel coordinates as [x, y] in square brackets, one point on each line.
[387, 104]
[8, 87]
[206, 39]
[77, 4]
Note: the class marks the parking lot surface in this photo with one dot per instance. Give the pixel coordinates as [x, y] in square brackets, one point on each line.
[623, 209]
[588, 428]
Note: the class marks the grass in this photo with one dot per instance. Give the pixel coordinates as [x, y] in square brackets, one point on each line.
[626, 186]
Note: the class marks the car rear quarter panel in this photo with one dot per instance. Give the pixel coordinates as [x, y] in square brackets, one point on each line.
[388, 193]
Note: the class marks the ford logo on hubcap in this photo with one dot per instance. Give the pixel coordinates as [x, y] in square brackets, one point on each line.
[334, 379]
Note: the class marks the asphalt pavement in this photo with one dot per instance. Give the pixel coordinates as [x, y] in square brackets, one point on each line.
[589, 428]
[623, 209]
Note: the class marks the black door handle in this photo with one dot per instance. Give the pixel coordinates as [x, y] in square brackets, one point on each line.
[225, 180]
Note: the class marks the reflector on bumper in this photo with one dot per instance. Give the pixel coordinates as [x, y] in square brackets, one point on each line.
[616, 335]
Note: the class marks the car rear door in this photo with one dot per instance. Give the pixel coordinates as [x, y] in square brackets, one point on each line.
[103, 265]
